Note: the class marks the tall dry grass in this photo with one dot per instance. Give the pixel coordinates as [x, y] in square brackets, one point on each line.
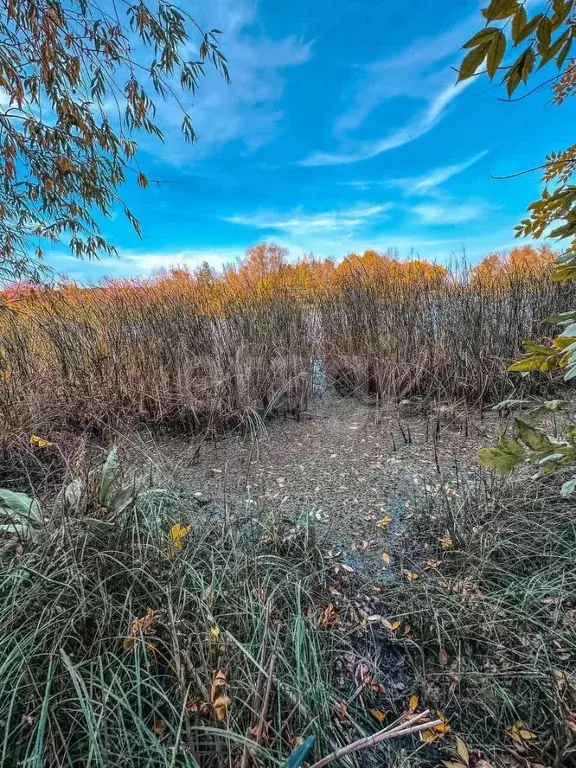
[205, 353]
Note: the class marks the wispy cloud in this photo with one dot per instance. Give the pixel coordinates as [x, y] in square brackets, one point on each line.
[248, 109]
[420, 72]
[444, 214]
[299, 222]
[428, 182]
[414, 129]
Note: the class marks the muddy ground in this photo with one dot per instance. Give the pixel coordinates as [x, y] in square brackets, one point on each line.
[358, 473]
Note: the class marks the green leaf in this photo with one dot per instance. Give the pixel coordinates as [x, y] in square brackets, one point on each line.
[561, 318]
[532, 437]
[507, 455]
[544, 35]
[526, 364]
[472, 61]
[110, 472]
[484, 36]
[496, 54]
[518, 23]
[500, 9]
[561, 58]
[554, 48]
[530, 27]
[568, 487]
[23, 507]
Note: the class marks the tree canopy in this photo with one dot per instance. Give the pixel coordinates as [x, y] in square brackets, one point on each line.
[515, 46]
[78, 82]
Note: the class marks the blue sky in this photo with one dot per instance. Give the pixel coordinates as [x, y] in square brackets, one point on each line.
[342, 130]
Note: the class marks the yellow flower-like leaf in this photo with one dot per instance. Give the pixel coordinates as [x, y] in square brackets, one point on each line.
[39, 442]
[177, 533]
[411, 576]
[384, 522]
[215, 634]
[519, 733]
[393, 626]
[446, 541]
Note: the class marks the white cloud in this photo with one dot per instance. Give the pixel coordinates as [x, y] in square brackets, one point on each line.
[143, 263]
[299, 222]
[418, 126]
[428, 182]
[247, 110]
[437, 213]
[420, 72]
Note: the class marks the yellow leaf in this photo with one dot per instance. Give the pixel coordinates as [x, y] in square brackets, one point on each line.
[462, 750]
[39, 441]
[413, 703]
[454, 764]
[329, 617]
[411, 576]
[428, 736]
[378, 714]
[208, 592]
[177, 533]
[442, 728]
[218, 685]
[384, 522]
[391, 625]
[215, 634]
[519, 732]
[139, 626]
[386, 558]
[221, 706]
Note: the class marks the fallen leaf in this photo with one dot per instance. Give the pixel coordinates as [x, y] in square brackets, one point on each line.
[379, 714]
[159, 728]
[386, 558]
[329, 617]
[362, 546]
[428, 736]
[215, 634]
[411, 576]
[221, 706]
[192, 705]
[432, 564]
[454, 764]
[176, 534]
[40, 442]
[218, 684]
[443, 657]
[391, 625]
[462, 750]
[208, 592]
[140, 626]
[384, 522]
[413, 703]
[519, 733]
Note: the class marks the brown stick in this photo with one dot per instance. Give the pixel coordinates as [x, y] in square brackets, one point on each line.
[404, 729]
[266, 703]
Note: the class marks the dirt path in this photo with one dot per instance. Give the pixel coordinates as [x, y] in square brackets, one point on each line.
[345, 466]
